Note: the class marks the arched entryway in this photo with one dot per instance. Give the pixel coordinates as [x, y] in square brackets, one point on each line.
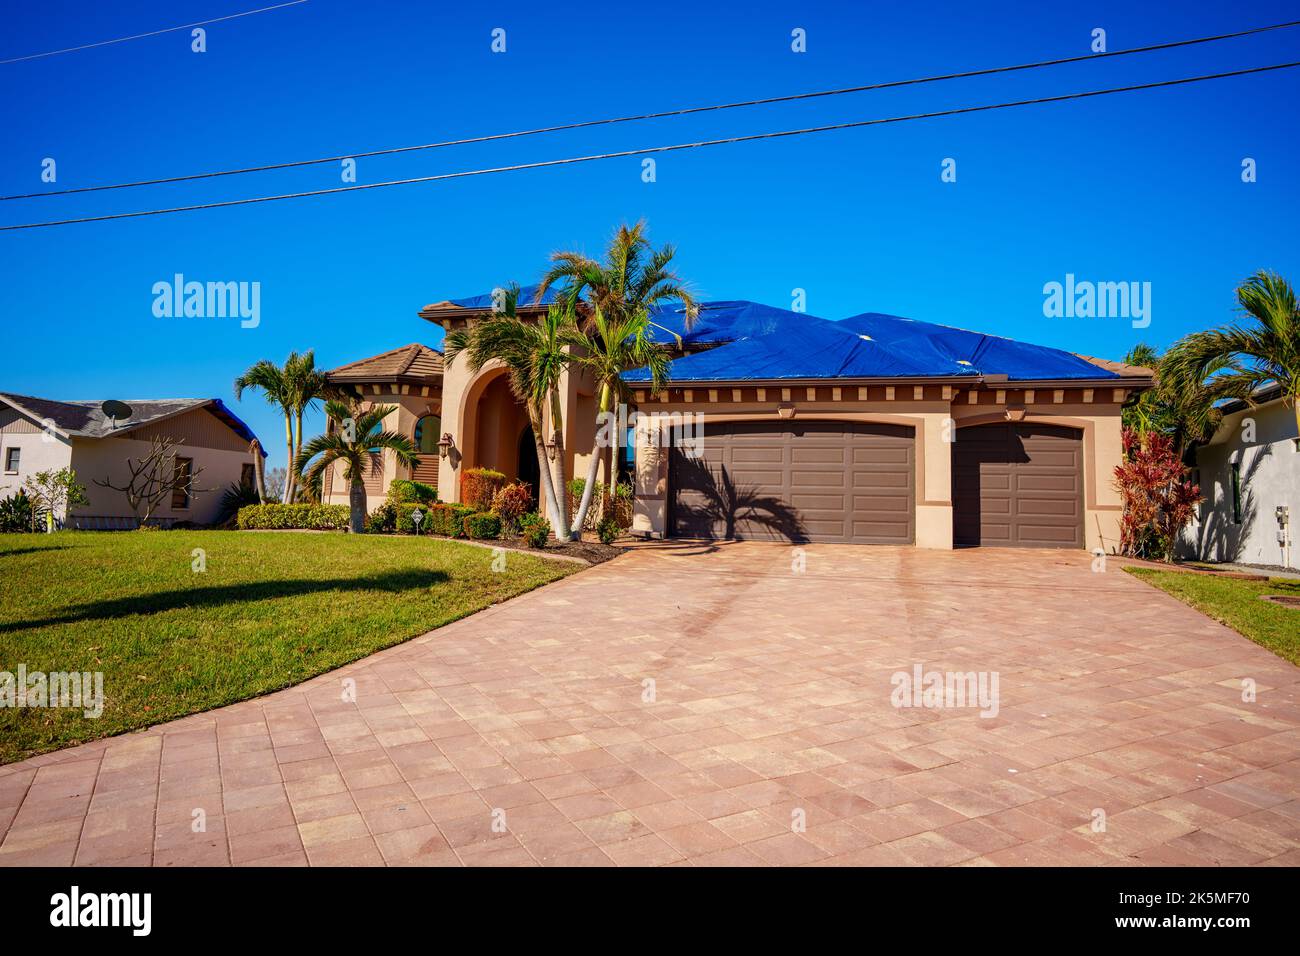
[493, 422]
[528, 469]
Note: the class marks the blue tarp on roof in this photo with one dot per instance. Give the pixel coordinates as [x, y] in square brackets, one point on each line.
[987, 354]
[526, 295]
[768, 343]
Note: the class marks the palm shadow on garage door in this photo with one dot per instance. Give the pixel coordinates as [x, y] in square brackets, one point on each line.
[1017, 486]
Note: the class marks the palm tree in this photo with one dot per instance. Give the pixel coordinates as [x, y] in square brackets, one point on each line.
[534, 355]
[633, 279]
[275, 386]
[354, 439]
[306, 384]
[605, 350]
[1185, 409]
[1240, 358]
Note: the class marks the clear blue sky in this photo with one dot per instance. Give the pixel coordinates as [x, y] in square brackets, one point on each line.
[1139, 187]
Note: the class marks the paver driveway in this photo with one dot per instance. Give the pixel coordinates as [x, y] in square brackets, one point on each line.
[526, 733]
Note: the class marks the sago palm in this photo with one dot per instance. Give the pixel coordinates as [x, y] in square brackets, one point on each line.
[357, 436]
[1264, 349]
[534, 356]
[605, 349]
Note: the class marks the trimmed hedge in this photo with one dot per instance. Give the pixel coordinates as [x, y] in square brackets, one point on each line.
[447, 520]
[403, 490]
[271, 517]
[482, 525]
[478, 486]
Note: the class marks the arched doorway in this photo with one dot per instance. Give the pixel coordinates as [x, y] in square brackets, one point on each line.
[428, 429]
[528, 470]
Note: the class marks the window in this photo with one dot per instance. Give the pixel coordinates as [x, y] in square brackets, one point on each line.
[246, 476]
[427, 432]
[12, 458]
[181, 484]
[1236, 493]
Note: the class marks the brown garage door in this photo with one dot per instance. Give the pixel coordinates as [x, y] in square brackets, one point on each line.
[1017, 486]
[796, 481]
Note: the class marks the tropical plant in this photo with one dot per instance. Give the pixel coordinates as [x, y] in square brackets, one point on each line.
[1158, 500]
[259, 470]
[623, 289]
[54, 492]
[293, 389]
[512, 502]
[1184, 409]
[235, 497]
[606, 349]
[536, 529]
[16, 513]
[354, 436]
[1244, 356]
[608, 529]
[534, 354]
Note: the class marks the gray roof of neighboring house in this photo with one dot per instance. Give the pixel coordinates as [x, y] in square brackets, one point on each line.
[86, 419]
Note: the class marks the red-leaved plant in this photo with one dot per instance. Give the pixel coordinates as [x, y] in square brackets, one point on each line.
[1158, 499]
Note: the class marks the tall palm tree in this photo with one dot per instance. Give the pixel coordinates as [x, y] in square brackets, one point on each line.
[306, 385]
[633, 278]
[605, 350]
[534, 355]
[1185, 409]
[293, 388]
[356, 437]
[1262, 350]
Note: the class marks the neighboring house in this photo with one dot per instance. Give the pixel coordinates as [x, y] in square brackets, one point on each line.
[39, 434]
[874, 429]
[1249, 475]
[410, 379]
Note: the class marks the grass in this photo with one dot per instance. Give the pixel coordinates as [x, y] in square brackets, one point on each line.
[270, 610]
[1236, 603]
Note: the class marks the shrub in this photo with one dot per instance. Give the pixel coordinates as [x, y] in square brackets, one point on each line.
[281, 516]
[16, 512]
[1158, 500]
[446, 519]
[482, 525]
[478, 486]
[608, 529]
[403, 490]
[600, 504]
[511, 503]
[535, 529]
[235, 496]
[383, 520]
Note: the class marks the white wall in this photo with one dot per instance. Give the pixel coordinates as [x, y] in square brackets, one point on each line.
[1269, 467]
[40, 451]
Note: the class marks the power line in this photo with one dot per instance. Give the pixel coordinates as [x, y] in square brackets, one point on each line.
[152, 33]
[662, 149]
[659, 115]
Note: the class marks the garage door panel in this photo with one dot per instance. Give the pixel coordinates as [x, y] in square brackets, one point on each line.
[812, 477]
[1018, 485]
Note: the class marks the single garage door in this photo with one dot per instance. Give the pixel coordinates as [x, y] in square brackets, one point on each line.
[796, 481]
[1017, 486]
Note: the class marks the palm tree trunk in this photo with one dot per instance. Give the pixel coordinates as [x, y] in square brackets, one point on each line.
[297, 438]
[357, 503]
[587, 491]
[546, 500]
[562, 531]
[288, 447]
[259, 472]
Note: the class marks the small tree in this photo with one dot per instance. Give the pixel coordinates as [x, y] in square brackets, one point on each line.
[155, 478]
[54, 492]
[259, 476]
[1158, 500]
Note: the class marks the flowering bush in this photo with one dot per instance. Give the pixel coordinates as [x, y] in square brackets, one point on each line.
[478, 486]
[1158, 500]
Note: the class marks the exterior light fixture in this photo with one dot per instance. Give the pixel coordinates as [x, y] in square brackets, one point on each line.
[444, 445]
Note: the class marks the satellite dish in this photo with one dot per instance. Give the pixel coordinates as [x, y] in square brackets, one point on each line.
[115, 410]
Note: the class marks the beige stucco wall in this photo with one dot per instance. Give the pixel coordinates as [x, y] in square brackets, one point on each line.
[39, 450]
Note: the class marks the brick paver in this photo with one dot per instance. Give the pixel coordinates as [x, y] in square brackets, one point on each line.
[687, 704]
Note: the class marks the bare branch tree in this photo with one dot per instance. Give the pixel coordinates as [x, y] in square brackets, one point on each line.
[155, 478]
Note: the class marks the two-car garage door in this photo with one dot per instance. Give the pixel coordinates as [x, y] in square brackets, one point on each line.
[1013, 484]
[845, 482]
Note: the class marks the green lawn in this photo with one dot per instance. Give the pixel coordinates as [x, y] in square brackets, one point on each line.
[1237, 604]
[270, 610]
